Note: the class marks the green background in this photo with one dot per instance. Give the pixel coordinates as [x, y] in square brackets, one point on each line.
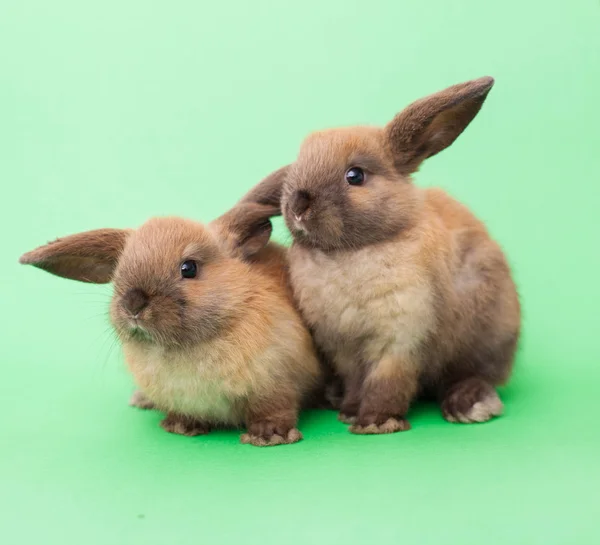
[114, 111]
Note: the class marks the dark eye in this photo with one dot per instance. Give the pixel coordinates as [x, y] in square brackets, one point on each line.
[355, 176]
[189, 269]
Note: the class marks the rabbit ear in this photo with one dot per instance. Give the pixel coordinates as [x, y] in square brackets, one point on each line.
[246, 228]
[268, 191]
[88, 257]
[431, 124]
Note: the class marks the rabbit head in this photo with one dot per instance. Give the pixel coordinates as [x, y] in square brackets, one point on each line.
[176, 282]
[350, 187]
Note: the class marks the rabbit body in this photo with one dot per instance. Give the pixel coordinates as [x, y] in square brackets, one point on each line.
[421, 297]
[206, 320]
[403, 288]
[266, 348]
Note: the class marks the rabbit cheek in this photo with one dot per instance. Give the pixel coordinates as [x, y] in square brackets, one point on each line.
[328, 231]
[165, 317]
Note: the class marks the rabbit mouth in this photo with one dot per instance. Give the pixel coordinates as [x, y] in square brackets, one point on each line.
[300, 224]
[306, 238]
[138, 332]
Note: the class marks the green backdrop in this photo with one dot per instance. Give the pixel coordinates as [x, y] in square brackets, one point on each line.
[114, 111]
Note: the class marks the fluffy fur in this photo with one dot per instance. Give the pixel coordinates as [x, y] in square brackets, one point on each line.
[226, 348]
[403, 288]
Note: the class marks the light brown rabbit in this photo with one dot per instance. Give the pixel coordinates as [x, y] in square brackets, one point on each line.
[402, 287]
[205, 318]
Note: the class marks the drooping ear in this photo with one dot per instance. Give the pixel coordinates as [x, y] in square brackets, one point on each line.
[246, 228]
[268, 191]
[431, 124]
[88, 257]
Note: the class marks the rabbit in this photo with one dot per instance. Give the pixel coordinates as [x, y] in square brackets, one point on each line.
[403, 288]
[205, 318]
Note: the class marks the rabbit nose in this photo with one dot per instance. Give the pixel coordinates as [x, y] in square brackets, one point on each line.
[135, 300]
[300, 203]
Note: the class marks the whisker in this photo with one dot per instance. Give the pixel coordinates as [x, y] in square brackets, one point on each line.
[95, 316]
[98, 346]
[113, 344]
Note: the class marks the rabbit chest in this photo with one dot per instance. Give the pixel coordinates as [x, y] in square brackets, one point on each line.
[196, 384]
[364, 304]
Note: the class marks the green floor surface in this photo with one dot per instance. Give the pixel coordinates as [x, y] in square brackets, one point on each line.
[115, 111]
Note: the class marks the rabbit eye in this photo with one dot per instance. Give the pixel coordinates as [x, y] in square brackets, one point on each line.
[355, 176]
[189, 269]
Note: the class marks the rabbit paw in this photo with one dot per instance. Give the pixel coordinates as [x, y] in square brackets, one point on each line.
[268, 433]
[470, 401]
[183, 425]
[347, 418]
[139, 400]
[374, 426]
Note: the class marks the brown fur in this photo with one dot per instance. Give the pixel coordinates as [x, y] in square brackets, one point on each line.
[226, 348]
[403, 288]
[76, 257]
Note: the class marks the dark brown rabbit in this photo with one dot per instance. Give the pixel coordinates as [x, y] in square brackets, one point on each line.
[403, 288]
[205, 318]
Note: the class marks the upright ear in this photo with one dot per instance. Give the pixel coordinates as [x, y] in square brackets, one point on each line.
[246, 228]
[431, 124]
[268, 191]
[88, 257]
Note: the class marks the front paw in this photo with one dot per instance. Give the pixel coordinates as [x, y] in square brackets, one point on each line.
[379, 424]
[348, 412]
[268, 434]
[183, 425]
[347, 418]
[139, 400]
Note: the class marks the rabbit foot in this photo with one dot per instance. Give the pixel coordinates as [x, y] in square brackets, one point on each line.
[372, 426]
[139, 400]
[472, 400]
[269, 433]
[184, 425]
[347, 418]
